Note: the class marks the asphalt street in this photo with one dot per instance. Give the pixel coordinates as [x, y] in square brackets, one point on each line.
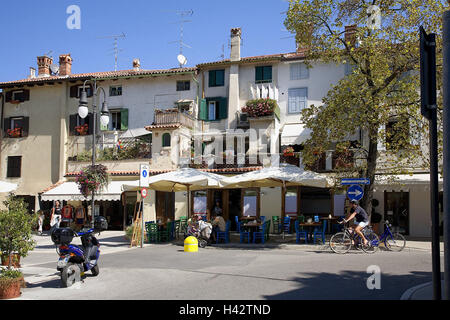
[165, 271]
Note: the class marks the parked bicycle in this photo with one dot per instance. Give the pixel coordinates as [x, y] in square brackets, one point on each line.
[342, 242]
[392, 241]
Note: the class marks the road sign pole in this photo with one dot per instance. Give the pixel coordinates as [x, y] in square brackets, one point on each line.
[446, 151]
[428, 110]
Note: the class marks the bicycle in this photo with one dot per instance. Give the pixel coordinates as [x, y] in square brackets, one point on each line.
[342, 242]
[392, 241]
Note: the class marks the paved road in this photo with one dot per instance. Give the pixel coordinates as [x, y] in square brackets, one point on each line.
[165, 271]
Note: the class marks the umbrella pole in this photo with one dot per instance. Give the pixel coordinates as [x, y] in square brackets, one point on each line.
[283, 205]
[188, 202]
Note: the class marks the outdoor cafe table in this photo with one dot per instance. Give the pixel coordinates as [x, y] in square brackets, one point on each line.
[330, 221]
[310, 227]
[252, 227]
[248, 218]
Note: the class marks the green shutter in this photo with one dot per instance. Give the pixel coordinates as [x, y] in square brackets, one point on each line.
[212, 78]
[203, 112]
[223, 108]
[267, 73]
[124, 119]
[258, 73]
[220, 78]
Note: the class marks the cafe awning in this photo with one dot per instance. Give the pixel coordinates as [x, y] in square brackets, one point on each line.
[294, 134]
[69, 191]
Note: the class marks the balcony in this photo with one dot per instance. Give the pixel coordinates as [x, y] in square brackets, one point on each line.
[263, 90]
[246, 162]
[173, 116]
[262, 109]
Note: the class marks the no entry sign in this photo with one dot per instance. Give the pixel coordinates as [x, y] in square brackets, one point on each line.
[144, 193]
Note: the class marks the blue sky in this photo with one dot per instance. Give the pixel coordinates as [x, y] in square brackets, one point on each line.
[31, 28]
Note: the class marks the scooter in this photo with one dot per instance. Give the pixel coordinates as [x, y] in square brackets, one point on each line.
[75, 260]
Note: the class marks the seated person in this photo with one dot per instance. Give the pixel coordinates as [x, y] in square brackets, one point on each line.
[218, 224]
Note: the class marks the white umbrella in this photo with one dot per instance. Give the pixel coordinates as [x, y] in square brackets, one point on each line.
[7, 186]
[185, 179]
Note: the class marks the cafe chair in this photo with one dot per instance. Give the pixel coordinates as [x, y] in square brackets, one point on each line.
[165, 235]
[238, 224]
[152, 232]
[225, 235]
[320, 232]
[286, 226]
[260, 235]
[183, 225]
[267, 230]
[276, 224]
[177, 228]
[300, 233]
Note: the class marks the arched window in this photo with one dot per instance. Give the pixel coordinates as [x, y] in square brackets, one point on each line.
[166, 140]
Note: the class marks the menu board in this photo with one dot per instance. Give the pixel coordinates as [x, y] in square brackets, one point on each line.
[339, 205]
[291, 204]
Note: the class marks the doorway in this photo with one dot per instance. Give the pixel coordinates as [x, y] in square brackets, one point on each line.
[396, 210]
[165, 206]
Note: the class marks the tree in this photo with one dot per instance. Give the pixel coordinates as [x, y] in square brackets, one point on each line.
[16, 226]
[381, 94]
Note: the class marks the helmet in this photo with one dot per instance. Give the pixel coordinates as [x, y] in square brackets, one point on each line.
[354, 201]
[100, 223]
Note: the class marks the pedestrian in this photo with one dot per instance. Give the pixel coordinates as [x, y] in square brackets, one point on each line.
[55, 218]
[41, 217]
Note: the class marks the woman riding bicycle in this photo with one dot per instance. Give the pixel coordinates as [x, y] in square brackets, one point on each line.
[361, 217]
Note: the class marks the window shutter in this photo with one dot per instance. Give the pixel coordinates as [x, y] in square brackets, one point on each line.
[220, 77]
[90, 122]
[8, 96]
[72, 124]
[258, 74]
[6, 124]
[124, 119]
[74, 91]
[212, 78]
[25, 95]
[267, 73]
[203, 112]
[223, 108]
[90, 91]
[25, 126]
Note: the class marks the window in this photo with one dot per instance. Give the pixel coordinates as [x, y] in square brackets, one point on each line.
[17, 96]
[299, 71]
[118, 120]
[14, 166]
[115, 91]
[216, 78]
[183, 85]
[16, 127]
[263, 74]
[88, 91]
[115, 122]
[75, 91]
[212, 110]
[79, 126]
[166, 140]
[297, 99]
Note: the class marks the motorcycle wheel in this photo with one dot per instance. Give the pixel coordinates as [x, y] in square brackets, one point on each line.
[95, 270]
[70, 274]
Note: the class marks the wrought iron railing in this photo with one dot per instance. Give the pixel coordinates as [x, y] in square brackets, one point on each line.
[173, 116]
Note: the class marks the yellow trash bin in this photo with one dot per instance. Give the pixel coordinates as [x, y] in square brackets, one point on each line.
[190, 244]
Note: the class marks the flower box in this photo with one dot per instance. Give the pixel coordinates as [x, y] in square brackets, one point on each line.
[82, 130]
[14, 133]
[260, 107]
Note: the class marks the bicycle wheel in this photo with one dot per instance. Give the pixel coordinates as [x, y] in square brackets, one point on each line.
[340, 242]
[395, 242]
[373, 244]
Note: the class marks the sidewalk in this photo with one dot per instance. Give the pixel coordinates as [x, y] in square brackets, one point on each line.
[421, 292]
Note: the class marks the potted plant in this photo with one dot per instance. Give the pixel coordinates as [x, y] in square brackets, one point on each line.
[16, 226]
[91, 179]
[82, 129]
[14, 133]
[288, 152]
[260, 107]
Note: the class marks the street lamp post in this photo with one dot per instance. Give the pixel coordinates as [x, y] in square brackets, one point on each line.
[104, 120]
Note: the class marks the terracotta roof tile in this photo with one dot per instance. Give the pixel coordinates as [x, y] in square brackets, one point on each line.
[53, 186]
[163, 126]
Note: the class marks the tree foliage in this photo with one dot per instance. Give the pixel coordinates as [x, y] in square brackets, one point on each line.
[381, 94]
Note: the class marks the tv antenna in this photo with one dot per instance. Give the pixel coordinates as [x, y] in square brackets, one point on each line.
[116, 49]
[181, 58]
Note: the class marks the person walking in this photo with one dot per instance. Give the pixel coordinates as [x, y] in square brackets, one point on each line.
[55, 218]
[41, 217]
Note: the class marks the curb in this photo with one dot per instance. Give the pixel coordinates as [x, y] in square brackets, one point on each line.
[407, 295]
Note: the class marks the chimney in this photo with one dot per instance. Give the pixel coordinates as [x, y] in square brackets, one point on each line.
[32, 73]
[65, 65]
[235, 44]
[350, 35]
[136, 64]
[44, 64]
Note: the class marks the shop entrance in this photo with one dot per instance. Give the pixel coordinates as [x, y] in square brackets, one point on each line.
[396, 210]
[165, 206]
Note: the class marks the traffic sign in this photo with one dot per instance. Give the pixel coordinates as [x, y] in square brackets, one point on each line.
[144, 175]
[144, 193]
[355, 192]
[351, 181]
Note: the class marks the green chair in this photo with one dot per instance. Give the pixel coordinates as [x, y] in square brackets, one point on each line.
[152, 232]
[165, 235]
[183, 225]
[276, 224]
[267, 231]
[301, 219]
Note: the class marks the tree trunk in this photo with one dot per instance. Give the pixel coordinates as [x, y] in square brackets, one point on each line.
[370, 173]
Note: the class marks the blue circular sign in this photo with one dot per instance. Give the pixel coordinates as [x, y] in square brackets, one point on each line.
[144, 173]
[355, 192]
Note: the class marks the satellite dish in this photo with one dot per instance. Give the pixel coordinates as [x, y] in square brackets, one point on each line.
[182, 59]
[54, 69]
